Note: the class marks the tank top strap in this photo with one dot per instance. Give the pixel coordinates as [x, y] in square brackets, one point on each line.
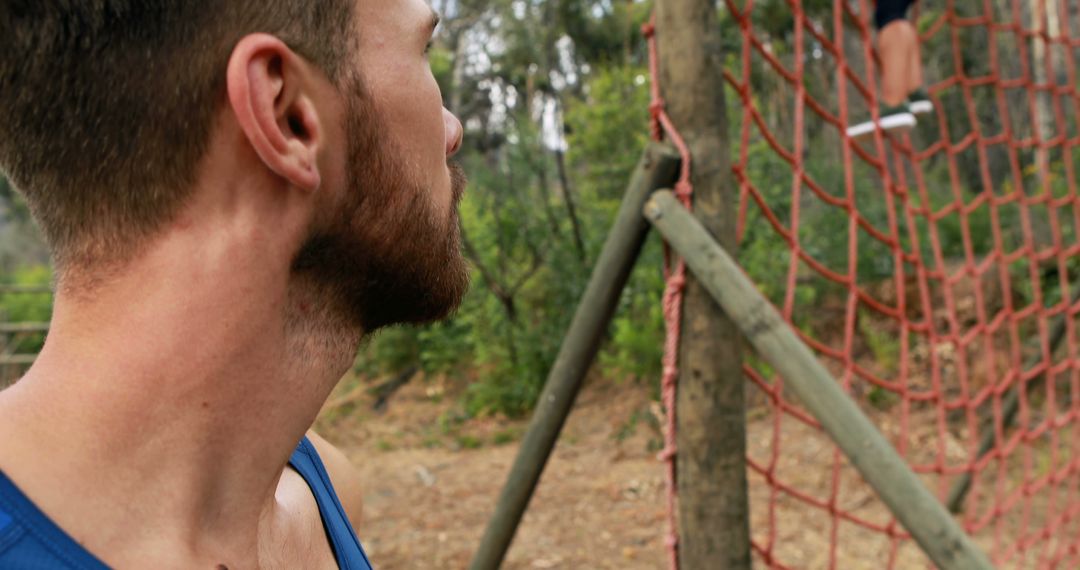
[347, 549]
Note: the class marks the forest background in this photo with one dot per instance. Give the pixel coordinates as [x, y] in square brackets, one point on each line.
[554, 96]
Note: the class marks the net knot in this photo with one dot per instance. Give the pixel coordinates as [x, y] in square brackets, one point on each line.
[667, 453]
[656, 108]
[683, 191]
[648, 30]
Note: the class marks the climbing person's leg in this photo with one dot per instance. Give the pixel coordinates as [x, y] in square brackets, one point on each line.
[918, 99]
[898, 49]
[915, 68]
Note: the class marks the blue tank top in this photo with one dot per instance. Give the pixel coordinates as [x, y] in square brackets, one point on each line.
[29, 540]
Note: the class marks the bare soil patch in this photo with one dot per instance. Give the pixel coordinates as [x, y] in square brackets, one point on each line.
[432, 483]
[432, 479]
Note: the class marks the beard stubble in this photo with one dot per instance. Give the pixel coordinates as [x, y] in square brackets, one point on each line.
[385, 256]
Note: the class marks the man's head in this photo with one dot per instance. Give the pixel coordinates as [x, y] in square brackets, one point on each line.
[114, 114]
[390, 250]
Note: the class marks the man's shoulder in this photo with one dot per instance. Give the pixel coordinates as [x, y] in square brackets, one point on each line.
[29, 539]
[344, 476]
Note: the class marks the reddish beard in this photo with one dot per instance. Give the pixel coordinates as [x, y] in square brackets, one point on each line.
[386, 256]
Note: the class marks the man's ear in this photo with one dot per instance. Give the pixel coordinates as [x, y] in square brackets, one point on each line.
[270, 91]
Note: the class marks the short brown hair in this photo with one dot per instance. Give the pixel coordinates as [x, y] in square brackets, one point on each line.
[106, 105]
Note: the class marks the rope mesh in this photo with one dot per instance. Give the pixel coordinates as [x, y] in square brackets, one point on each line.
[928, 270]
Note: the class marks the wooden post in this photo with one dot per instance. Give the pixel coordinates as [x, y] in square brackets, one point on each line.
[714, 510]
[881, 466]
[658, 168]
[25, 289]
[12, 328]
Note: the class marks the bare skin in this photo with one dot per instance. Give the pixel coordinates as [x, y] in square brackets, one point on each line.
[898, 45]
[156, 425]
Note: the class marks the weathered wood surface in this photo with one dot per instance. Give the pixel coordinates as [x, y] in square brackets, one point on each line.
[714, 511]
[25, 290]
[936, 532]
[11, 328]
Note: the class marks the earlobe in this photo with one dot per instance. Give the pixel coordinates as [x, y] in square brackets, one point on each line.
[268, 87]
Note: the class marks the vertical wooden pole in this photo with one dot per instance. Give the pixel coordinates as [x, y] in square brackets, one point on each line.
[711, 417]
[939, 535]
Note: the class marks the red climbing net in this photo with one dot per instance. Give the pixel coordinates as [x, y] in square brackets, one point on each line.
[933, 272]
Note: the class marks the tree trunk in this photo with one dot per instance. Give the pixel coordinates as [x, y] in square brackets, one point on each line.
[711, 467]
[545, 197]
[1043, 13]
[571, 209]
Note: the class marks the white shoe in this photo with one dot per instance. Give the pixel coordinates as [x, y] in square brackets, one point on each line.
[897, 121]
[921, 107]
[919, 102]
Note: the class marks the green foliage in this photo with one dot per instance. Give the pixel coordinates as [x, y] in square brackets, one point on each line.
[442, 67]
[27, 307]
[520, 74]
[466, 441]
[527, 271]
[627, 429]
[506, 436]
[20, 243]
[776, 19]
[636, 345]
[11, 203]
[390, 351]
[608, 129]
[883, 345]
[509, 232]
[881, 398]
[449, 421]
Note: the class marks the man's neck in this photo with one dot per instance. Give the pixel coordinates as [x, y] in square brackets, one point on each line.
[165, 406]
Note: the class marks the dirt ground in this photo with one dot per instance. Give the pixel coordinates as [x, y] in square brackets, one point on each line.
[432, 483]
[432, 479]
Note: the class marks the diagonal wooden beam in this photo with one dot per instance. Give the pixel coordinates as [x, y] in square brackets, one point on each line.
[939, 535]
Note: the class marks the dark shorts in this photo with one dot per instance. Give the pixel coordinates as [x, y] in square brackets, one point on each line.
[888, 11]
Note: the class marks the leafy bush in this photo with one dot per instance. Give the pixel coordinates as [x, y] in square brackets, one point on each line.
[27, 307]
